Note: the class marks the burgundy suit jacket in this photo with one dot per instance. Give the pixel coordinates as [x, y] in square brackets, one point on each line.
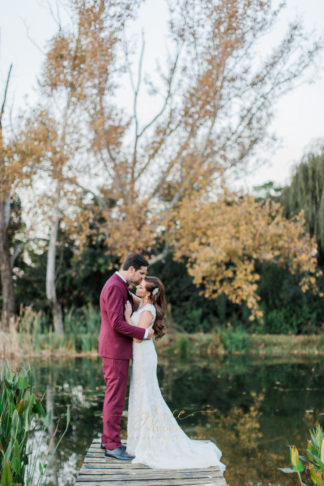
[116, 335]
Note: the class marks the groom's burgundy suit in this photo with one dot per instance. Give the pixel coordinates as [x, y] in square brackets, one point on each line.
[115, 348]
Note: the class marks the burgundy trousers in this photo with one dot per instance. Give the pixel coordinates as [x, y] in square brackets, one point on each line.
[116, 376]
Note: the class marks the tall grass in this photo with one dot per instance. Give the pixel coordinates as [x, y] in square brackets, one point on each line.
[22, 417]
[34, 332]
[18, 406]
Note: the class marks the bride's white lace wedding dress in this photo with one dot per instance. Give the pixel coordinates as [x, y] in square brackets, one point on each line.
[153, 434]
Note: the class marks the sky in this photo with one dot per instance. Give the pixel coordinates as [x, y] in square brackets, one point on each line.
[26, 26]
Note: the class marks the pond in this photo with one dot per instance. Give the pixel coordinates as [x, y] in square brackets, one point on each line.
[252, 409]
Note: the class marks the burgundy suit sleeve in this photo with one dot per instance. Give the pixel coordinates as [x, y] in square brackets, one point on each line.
[115, 304]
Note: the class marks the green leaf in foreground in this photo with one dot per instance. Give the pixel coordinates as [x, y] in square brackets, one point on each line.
[6, 477]
[295, 461]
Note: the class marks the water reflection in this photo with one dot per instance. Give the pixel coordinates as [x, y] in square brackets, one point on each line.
[252, 410]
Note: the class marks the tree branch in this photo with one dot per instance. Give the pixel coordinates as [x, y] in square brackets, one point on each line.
[19, 248]
[5, 95]
[100, 200]
[167, 97]
[160, 256]
[136, 92]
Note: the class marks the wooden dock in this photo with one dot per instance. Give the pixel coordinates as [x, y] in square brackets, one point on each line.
[98, 470]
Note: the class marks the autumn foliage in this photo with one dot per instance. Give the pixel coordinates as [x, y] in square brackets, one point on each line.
[106, 169]
[223, 240]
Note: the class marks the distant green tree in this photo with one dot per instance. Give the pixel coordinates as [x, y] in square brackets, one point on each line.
[87, 271]
[79, 279]
[306, 192]
[266, 191]
[286, 308]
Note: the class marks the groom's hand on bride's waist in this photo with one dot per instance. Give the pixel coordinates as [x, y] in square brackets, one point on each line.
[149, 333]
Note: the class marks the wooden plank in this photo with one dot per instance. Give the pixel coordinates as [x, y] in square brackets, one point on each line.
[107, 463]
[98, 470]
[147, 472]
[176, 482]
[115, 468]
[144, 479]
[153, 475]
[152, 483]
[108, 467]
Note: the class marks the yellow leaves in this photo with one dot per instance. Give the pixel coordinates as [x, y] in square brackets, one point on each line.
[182, 151]
[294, 456]
[316, 476]
[22, 155]
[224, 239]
[129, 227]
[57, 69]
[106, 131]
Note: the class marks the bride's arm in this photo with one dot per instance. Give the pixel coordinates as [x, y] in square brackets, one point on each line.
[128, 313]
[145, 321]
[136, 300]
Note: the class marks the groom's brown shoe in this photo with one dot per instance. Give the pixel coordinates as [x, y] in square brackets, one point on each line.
[118, 453]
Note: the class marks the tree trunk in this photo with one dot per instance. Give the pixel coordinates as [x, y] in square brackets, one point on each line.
[8, 295]
[50, 274]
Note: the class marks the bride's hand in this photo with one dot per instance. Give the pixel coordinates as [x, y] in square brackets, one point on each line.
[128, 311]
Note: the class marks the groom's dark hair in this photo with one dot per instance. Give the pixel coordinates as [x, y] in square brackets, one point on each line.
[135, 260]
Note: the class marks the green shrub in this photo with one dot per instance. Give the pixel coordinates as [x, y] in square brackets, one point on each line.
[183, 348]
[278, 322]
[287, 320]
[234, 339]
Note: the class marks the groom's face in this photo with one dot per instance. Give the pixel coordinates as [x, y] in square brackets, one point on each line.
[138, 275]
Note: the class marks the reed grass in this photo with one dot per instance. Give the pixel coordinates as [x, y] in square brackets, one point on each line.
[22, 418]
[32, 335]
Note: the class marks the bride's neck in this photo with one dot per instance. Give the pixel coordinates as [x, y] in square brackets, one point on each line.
[146, 301]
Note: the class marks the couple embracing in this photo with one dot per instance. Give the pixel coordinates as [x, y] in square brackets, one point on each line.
[129, 323]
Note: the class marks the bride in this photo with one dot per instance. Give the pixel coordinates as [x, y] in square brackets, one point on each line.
[154, 437]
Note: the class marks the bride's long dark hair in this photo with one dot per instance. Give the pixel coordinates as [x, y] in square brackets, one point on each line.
[156, 289]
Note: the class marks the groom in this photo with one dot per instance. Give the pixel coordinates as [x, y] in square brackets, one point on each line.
[115, 348]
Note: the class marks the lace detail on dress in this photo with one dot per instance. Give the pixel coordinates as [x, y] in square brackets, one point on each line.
[153, 434]
[137, 314]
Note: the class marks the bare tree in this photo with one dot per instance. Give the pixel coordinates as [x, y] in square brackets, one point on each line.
[69, 65]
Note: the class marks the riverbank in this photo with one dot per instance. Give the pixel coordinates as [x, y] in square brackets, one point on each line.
[175, 344]
[262, 345]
